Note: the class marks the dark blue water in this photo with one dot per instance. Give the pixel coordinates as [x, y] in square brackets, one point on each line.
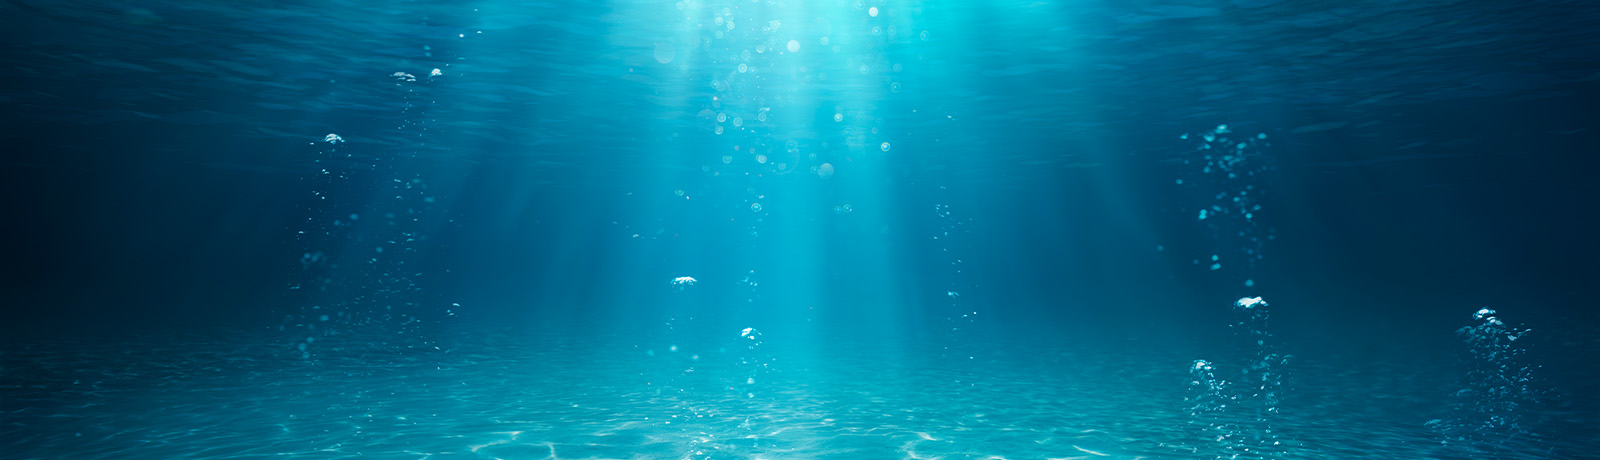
[794, 230]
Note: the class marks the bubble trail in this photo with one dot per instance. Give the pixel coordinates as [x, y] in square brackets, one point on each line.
[1487, 415]
[1236, 418]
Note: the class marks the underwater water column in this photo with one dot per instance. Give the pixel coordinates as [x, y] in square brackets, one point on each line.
[368, 211]
[1234, 417]
[769, 170]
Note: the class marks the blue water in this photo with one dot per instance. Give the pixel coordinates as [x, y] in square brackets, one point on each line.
[1246, 229]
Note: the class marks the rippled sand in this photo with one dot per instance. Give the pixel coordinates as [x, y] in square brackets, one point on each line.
[512, 396]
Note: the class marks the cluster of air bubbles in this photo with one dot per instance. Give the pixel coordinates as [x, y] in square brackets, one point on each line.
[1487, 415]
[312, 258]
[961, 317]
[843, 209]
[355, 264]
[1226, 154]
[752, 360]
[1205, 390]
[681, 283]
[1222, 171]
[1249, 303]
[1237, 416]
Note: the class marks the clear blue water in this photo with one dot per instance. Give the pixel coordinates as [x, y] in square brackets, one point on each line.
[873, 229]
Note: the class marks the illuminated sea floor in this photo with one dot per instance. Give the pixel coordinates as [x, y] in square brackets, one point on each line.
[534, 396]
